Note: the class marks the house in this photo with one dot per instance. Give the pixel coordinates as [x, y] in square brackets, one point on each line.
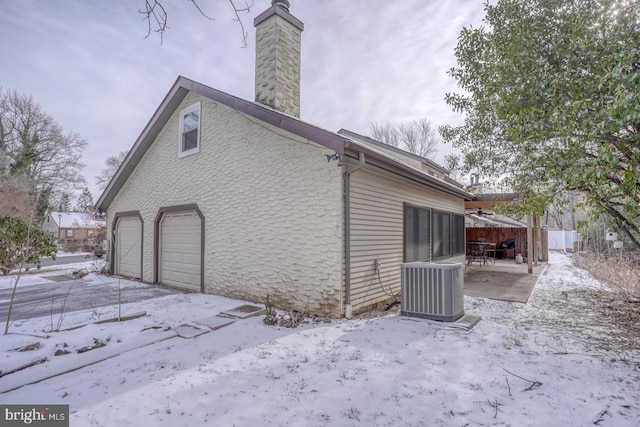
[74, 231]
[243, 199]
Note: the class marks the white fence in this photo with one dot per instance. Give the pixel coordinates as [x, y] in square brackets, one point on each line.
[564, 240]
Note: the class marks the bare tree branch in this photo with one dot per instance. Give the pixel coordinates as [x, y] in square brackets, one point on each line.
[197, 6]
[237, 11]
[157, 17]
[36, 154]
[111, 167]
[386, 133]
[417, 137]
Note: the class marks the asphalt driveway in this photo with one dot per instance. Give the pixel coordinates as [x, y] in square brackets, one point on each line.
[75, 294]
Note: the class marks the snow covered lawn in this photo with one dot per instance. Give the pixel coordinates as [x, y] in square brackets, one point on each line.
[552, 362]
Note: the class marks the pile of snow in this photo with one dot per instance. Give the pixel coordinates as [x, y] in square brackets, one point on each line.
[549, 362]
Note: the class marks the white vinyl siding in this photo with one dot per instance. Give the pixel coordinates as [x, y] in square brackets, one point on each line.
[378, 200]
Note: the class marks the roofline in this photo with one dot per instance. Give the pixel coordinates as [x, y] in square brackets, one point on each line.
[405, 170]
[499, 221]
[429, 162]
[496, 197]
[170, 103]
[479, 218]
[330, 140]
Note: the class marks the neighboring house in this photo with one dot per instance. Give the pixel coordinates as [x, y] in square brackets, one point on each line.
[227, 196]
[74, 231]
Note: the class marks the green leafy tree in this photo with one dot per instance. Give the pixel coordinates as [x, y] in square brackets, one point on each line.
[551, 97]
[22, 243]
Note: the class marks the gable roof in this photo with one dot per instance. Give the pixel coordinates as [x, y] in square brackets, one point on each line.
[331, 140]
[75, 220]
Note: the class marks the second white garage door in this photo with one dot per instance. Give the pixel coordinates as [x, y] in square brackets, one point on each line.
[128, 247]
[180, 250]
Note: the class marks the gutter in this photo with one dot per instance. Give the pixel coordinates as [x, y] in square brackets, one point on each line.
[347, 232]
[398, 167]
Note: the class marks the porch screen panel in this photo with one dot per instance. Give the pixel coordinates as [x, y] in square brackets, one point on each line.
[458, 234]
[441, 234]
[416, 234]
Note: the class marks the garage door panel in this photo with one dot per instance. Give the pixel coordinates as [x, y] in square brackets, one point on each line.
[129, 247]
[180, 250]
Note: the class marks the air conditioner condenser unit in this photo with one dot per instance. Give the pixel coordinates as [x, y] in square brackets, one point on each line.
[432, 291]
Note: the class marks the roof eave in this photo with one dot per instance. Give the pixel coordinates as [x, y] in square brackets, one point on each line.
[172, 100]
[421, 159]
[406, 170]
[330, 140]
[166, 108]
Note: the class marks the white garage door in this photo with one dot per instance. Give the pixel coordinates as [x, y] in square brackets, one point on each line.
[128, 247]
[180, 250]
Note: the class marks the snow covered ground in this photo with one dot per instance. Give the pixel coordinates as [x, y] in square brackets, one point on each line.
[551, 362]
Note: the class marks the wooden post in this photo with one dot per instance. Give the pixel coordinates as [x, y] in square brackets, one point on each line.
[536, 239]
[530, 245]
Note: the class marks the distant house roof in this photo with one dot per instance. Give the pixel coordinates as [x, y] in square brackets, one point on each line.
[509, 222]
[75, 220]
[481, 218]
[496, 220]
[331, 140]
[488, 201]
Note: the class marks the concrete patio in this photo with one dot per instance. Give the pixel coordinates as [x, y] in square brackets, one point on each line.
[503, 280]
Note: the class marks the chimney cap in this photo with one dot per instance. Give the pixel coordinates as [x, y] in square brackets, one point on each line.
[283, 3]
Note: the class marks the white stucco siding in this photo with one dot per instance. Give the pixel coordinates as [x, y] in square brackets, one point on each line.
[377, 224]
[271, 202]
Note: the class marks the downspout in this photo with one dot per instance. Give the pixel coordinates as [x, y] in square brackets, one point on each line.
[347, 233]
[112, 247]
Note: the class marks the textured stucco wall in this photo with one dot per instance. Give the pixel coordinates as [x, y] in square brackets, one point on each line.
[272, 206]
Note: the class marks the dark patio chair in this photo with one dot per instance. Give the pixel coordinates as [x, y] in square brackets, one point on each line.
[476, 253]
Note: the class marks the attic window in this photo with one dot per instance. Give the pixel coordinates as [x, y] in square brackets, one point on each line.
[189, 130]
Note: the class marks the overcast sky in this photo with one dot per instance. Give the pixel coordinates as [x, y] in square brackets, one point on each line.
[87, 63]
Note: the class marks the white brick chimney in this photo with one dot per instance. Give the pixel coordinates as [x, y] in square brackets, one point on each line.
[278, 40]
